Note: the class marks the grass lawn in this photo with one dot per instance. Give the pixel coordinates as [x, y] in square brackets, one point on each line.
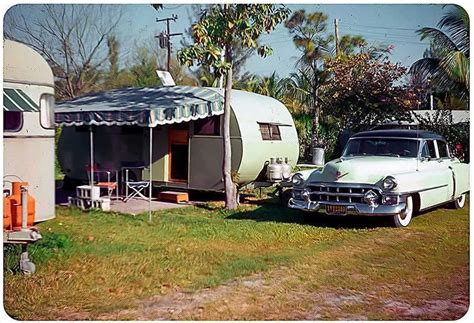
[260, 262]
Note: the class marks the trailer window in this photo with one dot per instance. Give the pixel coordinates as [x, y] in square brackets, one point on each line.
[208, 127]
[12, 121]
[270, 131]
[47, 111]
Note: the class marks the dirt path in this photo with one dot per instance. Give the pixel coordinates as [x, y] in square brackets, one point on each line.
[311, 290]
[261, 298]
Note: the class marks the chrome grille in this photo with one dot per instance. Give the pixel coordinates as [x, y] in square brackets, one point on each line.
[340, 192]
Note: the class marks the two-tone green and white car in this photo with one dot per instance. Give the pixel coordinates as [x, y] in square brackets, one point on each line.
[391, 173]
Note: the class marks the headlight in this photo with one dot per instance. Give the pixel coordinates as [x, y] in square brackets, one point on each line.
[389, 183]
[297, 179]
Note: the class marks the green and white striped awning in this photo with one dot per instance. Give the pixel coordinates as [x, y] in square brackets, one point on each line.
[145, 107]
[17, 100]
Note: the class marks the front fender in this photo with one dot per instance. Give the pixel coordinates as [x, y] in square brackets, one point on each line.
[419, 181]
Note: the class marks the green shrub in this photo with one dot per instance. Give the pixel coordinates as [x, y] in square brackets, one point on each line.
[442, 123]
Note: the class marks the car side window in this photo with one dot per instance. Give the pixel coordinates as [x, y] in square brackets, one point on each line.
[428, 150]
[442, 149]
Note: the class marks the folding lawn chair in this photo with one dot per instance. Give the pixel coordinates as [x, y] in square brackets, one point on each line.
[134, 188]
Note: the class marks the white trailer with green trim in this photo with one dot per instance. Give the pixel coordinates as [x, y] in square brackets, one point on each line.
[28, 125]
[186, 125]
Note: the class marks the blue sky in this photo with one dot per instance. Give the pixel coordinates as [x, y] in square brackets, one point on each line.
[388, 24]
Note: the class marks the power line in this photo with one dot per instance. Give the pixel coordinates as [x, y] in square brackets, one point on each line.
[381, 27]
[382, 33]
[400, 41]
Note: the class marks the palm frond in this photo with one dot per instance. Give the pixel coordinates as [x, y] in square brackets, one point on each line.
[456, 65]
[438, 38]
[456, 22]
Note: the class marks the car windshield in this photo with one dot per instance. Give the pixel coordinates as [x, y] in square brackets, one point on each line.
[381, 147]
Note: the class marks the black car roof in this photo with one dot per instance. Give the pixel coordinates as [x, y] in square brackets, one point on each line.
[400, 133]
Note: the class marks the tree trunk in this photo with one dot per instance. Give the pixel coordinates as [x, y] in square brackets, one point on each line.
[230, 189]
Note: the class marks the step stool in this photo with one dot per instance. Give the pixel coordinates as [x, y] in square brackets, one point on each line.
[174, 197]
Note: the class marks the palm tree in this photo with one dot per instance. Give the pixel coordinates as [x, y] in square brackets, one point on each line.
[248, 82]
[446, 64]
[310, 38]
[271, 86]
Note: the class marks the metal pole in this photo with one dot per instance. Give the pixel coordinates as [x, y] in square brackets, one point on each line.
[92, 162]
[169, 44]
[150, 173]
[24, 208]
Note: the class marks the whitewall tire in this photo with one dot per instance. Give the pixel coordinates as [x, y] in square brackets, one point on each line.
[403, 219]
[459, 202]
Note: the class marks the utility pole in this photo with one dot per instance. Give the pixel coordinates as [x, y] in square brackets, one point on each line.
[336, 33]
[165, 38]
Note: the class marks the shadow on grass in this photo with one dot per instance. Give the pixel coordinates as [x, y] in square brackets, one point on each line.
[272, 212]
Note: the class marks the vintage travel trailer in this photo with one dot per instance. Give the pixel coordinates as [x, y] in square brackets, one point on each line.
[28, 125]
[187, 134]
[28, 147]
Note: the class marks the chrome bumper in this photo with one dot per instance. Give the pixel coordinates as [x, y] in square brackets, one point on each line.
[352, 208]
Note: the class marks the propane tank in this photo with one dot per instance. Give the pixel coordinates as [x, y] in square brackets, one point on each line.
[274, 173]
[17, 206]
[272, 161]
[7, 212]
[286, 170]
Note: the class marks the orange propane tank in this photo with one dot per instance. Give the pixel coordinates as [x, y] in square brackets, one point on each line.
[17, 208]
[7, 213]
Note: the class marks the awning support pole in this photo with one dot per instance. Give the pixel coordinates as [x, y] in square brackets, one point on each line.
[150, 173]
[91, 179]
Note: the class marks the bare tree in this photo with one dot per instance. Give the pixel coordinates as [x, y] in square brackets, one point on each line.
[72, 38]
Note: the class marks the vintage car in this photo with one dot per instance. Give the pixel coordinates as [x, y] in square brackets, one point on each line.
[392, 173]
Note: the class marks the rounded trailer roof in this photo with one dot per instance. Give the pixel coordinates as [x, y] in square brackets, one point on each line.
[22, 64]
[253, 107]
[251, 110]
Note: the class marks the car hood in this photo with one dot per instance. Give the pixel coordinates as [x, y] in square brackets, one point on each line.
[363, 169]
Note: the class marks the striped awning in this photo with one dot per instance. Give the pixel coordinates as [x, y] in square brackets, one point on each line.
[17, 100]
[145, 107]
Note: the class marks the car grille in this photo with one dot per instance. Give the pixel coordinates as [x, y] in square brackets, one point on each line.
[343, 193]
